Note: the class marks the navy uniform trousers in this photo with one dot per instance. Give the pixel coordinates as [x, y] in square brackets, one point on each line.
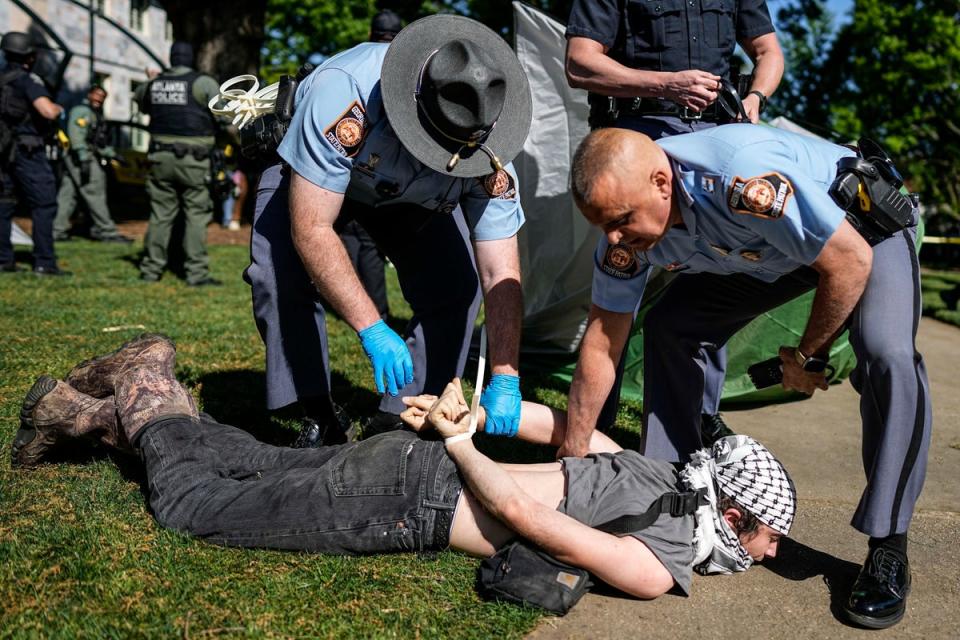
[437, 276]
[703, 310]
[716, 360]
[30, 170]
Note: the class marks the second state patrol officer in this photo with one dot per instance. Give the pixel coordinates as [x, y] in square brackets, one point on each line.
[27, 113]
[84, 176]
[656, 66]
[413, 140]
[182, 136]
[745, 216]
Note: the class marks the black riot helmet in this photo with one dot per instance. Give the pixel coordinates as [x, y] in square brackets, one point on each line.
[17, 43]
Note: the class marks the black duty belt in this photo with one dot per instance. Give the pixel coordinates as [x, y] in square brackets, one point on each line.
[181, 149]
[661, 107]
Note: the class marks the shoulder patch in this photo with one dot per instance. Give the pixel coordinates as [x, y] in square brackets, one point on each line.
[81, 122]
[620, 261]
[763, 196]
[347, 132]
[499, 185]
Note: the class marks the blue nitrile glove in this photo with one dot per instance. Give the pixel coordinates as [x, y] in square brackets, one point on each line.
[389, 356]
[501, 400]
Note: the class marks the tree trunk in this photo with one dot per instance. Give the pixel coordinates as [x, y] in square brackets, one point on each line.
[226, 34]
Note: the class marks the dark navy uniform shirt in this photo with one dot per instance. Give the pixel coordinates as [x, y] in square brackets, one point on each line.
[340, 140]
[670, 35]
[30, 85]
[753, 200]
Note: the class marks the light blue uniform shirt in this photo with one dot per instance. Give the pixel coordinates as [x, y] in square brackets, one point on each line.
[340, 140]
[753, 200]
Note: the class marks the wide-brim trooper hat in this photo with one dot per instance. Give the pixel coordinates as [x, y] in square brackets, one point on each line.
[456, 95]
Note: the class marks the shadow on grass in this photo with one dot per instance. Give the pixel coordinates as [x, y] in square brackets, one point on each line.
[797, 561]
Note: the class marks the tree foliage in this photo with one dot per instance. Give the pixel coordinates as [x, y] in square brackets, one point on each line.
[891, 73]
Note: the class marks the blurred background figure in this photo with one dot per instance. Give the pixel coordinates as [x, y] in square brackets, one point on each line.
[182, 132]
[27, 113]
[84, 178]
[235, 201]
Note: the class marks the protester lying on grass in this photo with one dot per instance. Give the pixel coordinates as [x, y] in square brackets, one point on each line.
[402, 492]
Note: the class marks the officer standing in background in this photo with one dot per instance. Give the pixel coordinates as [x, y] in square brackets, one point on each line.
[657, 68]
[367, 259]
[27, 112]
[182, 132]
[84, 177]
[377, 138]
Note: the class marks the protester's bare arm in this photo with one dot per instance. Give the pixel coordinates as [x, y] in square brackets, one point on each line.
[589, 67]
[767, 70]
[625, 563]
[844, 266]
[539, 424]
[313, 210]
[498, 265]
[47, 108]
[593, 378]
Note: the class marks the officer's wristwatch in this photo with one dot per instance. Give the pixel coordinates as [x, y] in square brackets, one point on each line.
[763, 99]
[810, 364]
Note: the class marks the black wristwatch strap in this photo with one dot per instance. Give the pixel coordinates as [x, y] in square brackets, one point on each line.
[763, 98]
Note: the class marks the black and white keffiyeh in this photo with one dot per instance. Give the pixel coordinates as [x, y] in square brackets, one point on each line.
[744, 470]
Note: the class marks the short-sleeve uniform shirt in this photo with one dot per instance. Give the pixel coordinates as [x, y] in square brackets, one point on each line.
[30, 85]
[340, 140]
[670, 35]
[753, 200]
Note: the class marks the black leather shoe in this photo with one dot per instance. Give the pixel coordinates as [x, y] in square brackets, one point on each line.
[879, 596]
[10, 267]
[712, 428]
[209, 281]
[382, 422]
[51, 271]
[314, 434]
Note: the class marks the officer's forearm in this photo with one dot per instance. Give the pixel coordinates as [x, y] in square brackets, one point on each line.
[594, 376]
[844, 266]
[498, 265]
[768, 63]
[588, 67]
[312, 212]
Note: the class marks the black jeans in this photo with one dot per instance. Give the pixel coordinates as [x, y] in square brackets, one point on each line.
[393, 492]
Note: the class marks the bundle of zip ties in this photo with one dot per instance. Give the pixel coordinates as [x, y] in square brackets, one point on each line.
[244, 105]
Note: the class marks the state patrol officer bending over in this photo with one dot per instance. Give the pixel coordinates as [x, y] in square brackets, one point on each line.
[182, 132]
[84, 178]
[26, 109]
[744, 213]
[656, 67]
[397, 137]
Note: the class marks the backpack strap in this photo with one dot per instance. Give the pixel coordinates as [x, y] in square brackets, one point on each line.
[675, 503]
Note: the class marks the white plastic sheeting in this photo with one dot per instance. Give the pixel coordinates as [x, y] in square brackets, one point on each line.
[556, 243]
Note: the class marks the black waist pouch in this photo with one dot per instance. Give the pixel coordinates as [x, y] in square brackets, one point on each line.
[522, 574]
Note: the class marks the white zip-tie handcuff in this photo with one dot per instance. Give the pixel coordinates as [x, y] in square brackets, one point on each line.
[475, 403]
[244, 105]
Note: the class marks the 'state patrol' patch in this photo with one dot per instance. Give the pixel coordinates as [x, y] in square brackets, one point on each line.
[620, 262]
[347, 132]
[764, 196]
[499, 185]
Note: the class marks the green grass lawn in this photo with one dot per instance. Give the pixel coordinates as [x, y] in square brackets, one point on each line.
[80, 555]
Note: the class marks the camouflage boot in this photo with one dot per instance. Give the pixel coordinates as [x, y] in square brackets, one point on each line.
[146, 391]
[96, 377]
[53, 412]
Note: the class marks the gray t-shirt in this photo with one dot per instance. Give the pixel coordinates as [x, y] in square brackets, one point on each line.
[605, 486]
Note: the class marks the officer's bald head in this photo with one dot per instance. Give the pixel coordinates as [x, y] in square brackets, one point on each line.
[612, 155]
[622, 182]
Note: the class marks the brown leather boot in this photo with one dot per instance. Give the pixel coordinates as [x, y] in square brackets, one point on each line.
[53, 412]
[146, 391]
[96, 377]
